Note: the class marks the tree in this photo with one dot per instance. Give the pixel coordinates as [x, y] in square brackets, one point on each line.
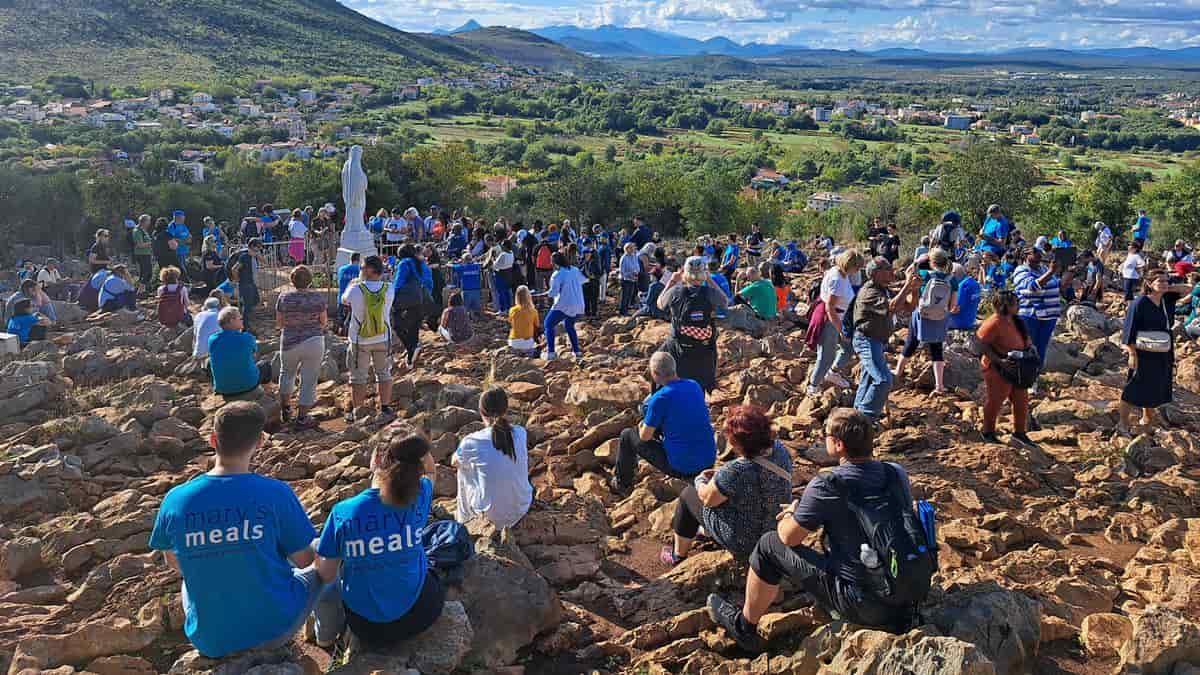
[716, 127]
[985, 174]
[710, 205]
[107, 198]
[446, 174]
[610, 153]
[1107, 195]
[1175, 203]
[307, 182]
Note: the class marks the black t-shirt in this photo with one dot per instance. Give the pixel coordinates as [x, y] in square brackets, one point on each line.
[1172, 299]
[101, 253]
[161, 246]
[889, 247]
[821, 507]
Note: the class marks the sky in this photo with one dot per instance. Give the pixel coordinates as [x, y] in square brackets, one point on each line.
[936, 25]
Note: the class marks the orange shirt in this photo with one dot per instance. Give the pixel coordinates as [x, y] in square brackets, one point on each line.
[1002, 334]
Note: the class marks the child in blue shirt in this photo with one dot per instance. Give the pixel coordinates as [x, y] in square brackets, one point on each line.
[26, 324]
[380, 585]
[242, 543]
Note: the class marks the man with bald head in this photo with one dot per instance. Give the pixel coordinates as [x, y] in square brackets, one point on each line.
[676, 433]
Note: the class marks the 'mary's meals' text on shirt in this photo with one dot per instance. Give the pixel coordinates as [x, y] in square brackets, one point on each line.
[680, 413]
[383, 562]
[232, 535]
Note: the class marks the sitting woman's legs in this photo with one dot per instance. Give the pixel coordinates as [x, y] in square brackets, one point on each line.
[686, 522]
[424, 613]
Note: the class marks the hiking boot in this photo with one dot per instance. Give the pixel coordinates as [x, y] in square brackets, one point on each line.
[305, 423]
[990, 437]
[614, 485]
[729, 616]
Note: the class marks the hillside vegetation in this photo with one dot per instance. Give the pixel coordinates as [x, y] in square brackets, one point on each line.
[130, 41]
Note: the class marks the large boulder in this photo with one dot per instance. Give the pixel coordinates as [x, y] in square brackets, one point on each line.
[507, 601]
[438, 651]
[1005, 625]
[1062, 357]
[596, 395]
[281, 661]
[1162, 639]
[839, 647]
[19, 557]
[89, 641]
[1089, 322]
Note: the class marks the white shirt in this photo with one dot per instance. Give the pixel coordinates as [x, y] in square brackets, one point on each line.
[490, 484]
[298, 229]
[206, 325]
[358, 310]
[503, 261]
[566, 287]
[393, 229]
[836, 291]
[1104, 239]
[1129, 268]
[47, 276]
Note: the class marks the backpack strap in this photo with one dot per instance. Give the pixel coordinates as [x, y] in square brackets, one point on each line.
[773, 468]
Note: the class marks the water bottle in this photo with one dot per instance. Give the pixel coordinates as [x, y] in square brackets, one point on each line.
[876, 579]
[869, 558]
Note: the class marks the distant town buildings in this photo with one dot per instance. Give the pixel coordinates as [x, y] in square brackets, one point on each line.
[957, 122]
[823, 201]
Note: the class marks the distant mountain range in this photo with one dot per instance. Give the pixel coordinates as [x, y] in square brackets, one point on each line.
[615, 41]
[465, 28]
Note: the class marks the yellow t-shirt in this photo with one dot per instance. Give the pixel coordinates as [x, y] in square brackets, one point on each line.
[524, 323]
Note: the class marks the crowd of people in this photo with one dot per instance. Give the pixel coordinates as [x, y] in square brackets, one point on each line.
[244, 545]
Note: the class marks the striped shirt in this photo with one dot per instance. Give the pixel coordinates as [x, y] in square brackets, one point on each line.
[1037, 300]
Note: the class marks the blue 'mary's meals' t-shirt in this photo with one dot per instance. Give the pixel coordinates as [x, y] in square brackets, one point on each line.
[731, 255]
[21, 324]
[969, 294]
[383, 562]
[231, 357]
[346, 273]
[232, 535]
[997, 228]
[680, 413]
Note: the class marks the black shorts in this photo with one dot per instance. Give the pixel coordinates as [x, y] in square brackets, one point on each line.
[772, 560]
[424, 613]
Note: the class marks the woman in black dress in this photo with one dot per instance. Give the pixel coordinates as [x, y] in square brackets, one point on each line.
[1149, 343]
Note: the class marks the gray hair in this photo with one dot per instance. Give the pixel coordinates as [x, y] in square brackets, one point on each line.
[228, 316]
[695, 272]
[662, 366]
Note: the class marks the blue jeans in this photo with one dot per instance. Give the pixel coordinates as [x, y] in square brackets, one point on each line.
[312, 584]
[876, 380]
[830, 353]
[554, 318]
[1040, 332]
[502, 293]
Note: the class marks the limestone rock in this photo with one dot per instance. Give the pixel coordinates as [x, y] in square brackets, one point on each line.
[593, 395]
[839, 647]
[92, 640]
[1162, 638]
[1005, 625]
[19, 557]
[437, 651]
[1104, 634]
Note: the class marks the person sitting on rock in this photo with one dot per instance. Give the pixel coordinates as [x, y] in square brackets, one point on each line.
[836, 579]
[27, 325]
[243, 544]
[676, 434]
[231, 353]
[737, 503]
[118, 291]
[380, 585]
[172, 299]
[455, 324]
[650, 306]
[759, 294]
[523, 323]
[30, 291]
[206, 325]
[493, 467]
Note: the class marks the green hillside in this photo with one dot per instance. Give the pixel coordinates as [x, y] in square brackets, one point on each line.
[522, 47]
[129, 41]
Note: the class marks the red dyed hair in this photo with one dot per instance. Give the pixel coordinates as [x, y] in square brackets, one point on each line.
[749, 431]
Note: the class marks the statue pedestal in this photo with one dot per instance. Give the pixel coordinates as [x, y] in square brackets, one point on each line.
[357, 240]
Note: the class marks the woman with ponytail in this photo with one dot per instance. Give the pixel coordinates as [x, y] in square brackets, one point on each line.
[371, 554]
[493, 467]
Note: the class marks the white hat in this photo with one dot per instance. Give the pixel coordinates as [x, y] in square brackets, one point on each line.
[329, 207]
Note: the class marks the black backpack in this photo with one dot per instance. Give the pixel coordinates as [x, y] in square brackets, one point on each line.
[892, 529]
[693, 311]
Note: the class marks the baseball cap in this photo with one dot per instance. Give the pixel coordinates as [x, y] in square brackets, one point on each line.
[179, 212]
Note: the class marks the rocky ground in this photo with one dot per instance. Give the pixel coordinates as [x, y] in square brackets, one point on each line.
[1080, 557]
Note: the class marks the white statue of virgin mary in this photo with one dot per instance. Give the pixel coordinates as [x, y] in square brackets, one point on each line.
[355, 237]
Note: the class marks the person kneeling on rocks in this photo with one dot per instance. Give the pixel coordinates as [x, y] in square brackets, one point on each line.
[738, 502]
[231, 353]
[839, 580]
[381, 586]
[676, 434]
[242, 543]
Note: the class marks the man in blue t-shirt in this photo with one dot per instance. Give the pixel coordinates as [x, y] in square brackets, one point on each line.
[179, 231]
[642, 234]
[231, 356]
[1141, 229]
[993, 237]
[676, 434]
[242, 543]
[345, 274]
[966, 306]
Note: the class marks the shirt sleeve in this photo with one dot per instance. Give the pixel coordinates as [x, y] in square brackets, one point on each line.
[330, 545]
[295, 531]
[727, 477]
[813, 510]
[655, 410]
[160, 537]
[1130, 331]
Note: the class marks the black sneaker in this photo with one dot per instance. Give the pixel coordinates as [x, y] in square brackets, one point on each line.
[386, 410]
[1034, 425]
[285, 413]
[1025, 440]
[614, 484]
[990, 437]
[726, 614]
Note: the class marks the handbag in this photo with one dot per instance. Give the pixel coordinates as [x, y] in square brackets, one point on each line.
[1021, 372]
[1153, 341]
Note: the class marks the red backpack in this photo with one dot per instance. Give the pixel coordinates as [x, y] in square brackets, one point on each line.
[170, 305]
[545, 259]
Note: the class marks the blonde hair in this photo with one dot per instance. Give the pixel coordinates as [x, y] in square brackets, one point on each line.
[939, 260]
[630, 249]
[210, 244]
[847, 260]
[169, 275]
[525, 298]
